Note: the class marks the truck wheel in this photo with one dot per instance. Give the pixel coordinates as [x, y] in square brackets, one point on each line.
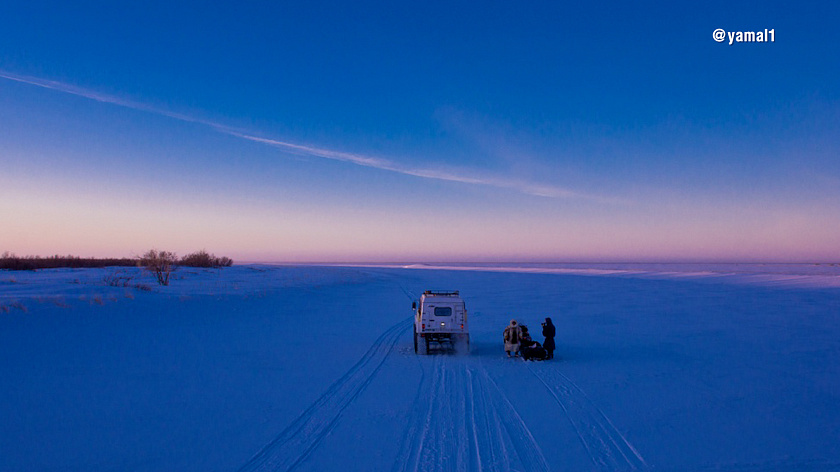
[415, 342]
[424, 345]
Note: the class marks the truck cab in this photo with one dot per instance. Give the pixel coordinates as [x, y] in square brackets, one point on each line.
[440, 321]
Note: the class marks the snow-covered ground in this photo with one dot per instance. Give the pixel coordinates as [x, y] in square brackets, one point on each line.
[676, 367]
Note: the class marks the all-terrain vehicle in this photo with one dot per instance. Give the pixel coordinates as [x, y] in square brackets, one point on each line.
[440, 320]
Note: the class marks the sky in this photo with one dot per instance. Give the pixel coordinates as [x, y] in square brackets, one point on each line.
[423, 131]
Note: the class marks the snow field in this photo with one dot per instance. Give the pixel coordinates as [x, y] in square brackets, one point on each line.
[312, 368]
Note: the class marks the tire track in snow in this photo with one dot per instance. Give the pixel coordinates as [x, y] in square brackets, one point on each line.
[304, 434]
[606, 446]
[464, 421]
[437, 437]
[784, 465]
[518, 437]
[408, 293]
[407, 453]
[442, 443]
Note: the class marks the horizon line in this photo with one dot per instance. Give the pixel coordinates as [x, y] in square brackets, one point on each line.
[367, 262]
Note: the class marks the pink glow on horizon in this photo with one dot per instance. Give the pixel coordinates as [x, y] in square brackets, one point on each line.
[87, 227]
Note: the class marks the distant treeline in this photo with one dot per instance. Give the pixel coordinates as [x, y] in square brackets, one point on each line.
[10, 261]
[13, 262]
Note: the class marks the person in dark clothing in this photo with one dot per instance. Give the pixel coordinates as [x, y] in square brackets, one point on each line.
[533, 351]
[548, 332]
[526, 336]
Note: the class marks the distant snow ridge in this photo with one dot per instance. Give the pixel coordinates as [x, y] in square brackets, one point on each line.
[300, 438]
[463, 405]
[775, 275]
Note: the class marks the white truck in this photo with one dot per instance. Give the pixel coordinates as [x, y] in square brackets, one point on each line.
[440, 319]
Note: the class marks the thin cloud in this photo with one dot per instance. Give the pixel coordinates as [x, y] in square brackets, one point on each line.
[299, 149]
[383, 164]
[99, 97]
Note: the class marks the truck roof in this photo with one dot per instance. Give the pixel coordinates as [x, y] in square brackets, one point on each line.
[441, 293]
[432, 297]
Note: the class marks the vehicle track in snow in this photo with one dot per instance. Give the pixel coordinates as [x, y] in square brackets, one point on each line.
[292, 446]
[608, 449]
[783, 465]
[517, 441]
[464, 421]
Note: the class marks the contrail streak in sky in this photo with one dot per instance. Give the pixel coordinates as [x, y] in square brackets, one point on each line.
[299, 149]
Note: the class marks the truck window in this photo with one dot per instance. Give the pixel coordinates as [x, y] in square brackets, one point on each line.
[443, 311]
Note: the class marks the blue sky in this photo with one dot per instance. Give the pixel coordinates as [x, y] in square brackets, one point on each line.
[367, 131]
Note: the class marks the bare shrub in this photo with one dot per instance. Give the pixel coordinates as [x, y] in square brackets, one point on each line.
[204, 259]
[58, 301]
[197, 259]
[160, 263]
[20, 306]
[117, 279]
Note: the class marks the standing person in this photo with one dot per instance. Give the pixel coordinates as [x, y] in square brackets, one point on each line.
[548, 332]
[513, 336]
